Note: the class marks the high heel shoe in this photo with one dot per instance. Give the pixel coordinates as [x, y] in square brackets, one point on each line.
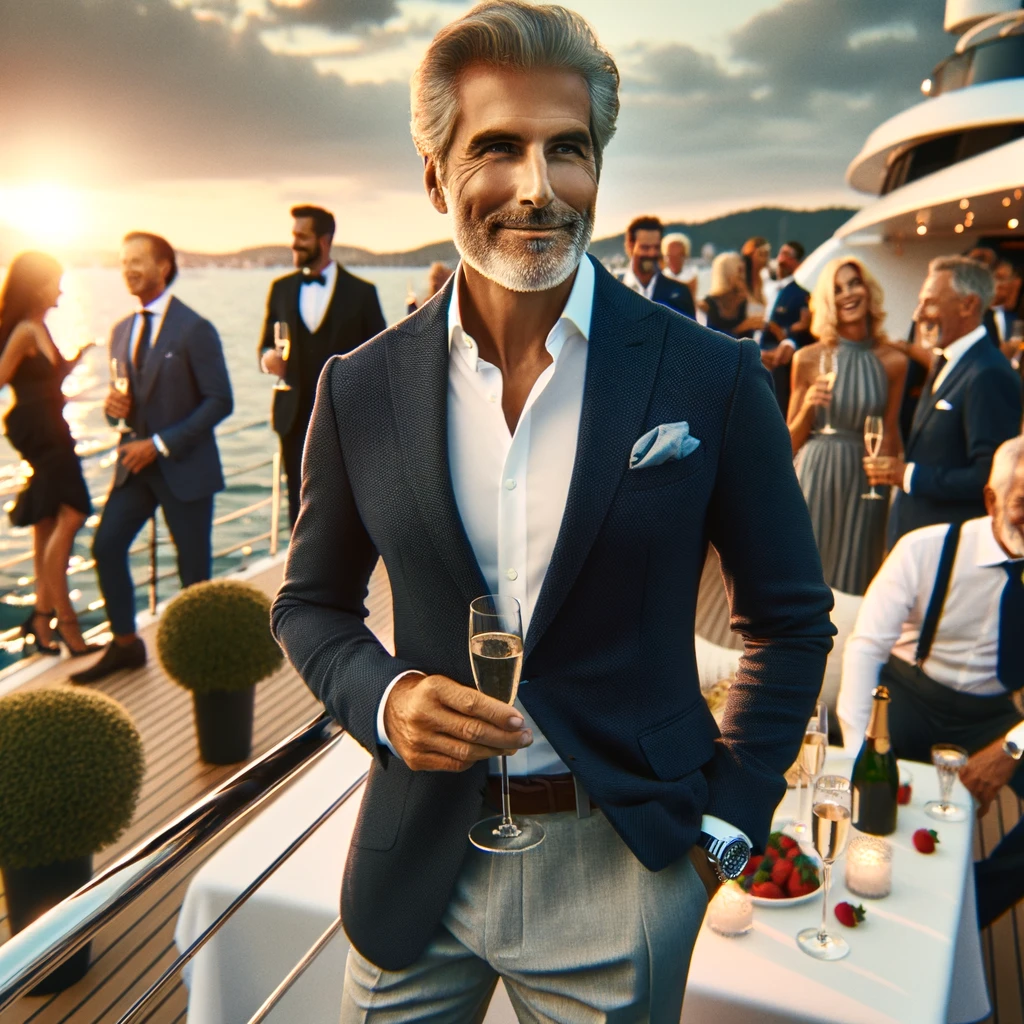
[28, 630]
[75, 652]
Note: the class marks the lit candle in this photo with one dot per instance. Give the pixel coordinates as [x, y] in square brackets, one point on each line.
[869, 867]
[731, 912]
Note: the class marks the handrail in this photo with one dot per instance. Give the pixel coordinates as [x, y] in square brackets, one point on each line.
[26, 958]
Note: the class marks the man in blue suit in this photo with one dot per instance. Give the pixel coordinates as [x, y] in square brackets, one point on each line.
[787, 326]
[540, 432]
[970, 404]
[179, 391]
[644, 276]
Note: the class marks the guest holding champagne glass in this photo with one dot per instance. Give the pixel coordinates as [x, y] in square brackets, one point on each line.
[55, 501]
[844, 377]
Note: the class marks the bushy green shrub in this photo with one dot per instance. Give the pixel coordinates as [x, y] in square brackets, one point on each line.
[216, 636]
[71, 767]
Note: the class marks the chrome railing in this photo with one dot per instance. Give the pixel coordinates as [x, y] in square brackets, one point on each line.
[49, 941]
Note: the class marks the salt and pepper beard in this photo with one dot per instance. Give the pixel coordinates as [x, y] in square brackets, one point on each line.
[526, 265]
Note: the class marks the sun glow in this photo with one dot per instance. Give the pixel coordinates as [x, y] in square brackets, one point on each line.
[45, 214]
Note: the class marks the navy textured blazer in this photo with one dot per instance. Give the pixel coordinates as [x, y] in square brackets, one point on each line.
[610, 648]
[952, 439]
[674, 294]
[184, 392]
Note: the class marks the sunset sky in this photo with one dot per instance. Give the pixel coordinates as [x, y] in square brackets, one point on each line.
[206, 120]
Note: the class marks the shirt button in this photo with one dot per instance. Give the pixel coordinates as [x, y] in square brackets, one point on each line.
[510, 484]
[469, 344]
[492, 398]
[512, 574]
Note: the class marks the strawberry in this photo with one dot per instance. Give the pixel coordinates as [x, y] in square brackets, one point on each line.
[849, 915]
[903, 794]
[781, 871]
[787, 843]
[925, 840]
[770, 853]
[752, 865]
[804, 877]
[797, 886]
[794, 853]
[767, 890]
[762, 876]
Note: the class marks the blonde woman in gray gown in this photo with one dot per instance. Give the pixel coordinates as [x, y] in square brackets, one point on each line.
[846, 317]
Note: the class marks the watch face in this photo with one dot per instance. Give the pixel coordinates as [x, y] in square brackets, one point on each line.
[734, 858]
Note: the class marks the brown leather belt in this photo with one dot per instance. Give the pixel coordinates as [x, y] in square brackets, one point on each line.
[534, 794]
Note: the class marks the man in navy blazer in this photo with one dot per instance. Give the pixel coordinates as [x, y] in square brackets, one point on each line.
[644, 276]
[540, 432]
[179, 391]
[970, 404]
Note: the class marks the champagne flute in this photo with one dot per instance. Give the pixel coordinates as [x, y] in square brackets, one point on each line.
[832, 803]
[812, 757]
[874, 431]
[828, 367]
[119, 378]
[948, 760]
[496, 654]
[283, 345]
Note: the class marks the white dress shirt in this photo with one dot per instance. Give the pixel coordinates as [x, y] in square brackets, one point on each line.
[158, 307]
[954, 352]
[965, 648]
[630, 280]
[1004, 323]
[315, 298]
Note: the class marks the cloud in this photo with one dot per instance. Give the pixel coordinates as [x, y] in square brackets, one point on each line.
[338, 15]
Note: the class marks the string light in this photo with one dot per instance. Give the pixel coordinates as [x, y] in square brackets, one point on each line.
[926, 86]
[1012, 223]
[959, 229]
[1006, 201]
[1017, 193]
[922, 229]
[964, 203]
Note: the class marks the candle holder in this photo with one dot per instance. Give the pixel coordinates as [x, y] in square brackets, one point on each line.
[869, 867]
[731, 911]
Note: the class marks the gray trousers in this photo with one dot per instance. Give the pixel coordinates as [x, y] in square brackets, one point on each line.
[577, 928]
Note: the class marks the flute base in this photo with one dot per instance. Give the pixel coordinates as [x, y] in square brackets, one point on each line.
[944, 812]
[835, 947]
[487, 835]
[871, 496]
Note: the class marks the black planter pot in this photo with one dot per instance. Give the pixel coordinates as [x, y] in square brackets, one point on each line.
[30, 892]
[224, 724]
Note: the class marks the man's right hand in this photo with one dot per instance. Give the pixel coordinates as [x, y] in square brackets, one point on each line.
[436, 724]
[117, 406]
[272, 362]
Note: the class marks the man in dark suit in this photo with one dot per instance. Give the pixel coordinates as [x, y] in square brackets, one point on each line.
[970, 404]
[328, 311]
[644, 276]
[540, 432]
[787, 326]
[1002, 315]
[179, 391]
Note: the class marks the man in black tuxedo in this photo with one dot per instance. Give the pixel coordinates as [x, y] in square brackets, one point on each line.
[644, 276]
[540, 432]
[328, 311]
[970, 404]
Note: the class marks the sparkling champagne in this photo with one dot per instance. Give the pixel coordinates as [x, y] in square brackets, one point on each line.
[873, 444]
[831, 824]
[497, 661]
[876, 777]
[812, 753]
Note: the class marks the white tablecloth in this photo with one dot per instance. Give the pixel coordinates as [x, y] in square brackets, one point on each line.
[899, 969]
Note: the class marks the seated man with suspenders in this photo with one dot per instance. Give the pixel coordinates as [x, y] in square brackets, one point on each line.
[942, 625]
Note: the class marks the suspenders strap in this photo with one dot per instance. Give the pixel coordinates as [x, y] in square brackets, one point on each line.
[939, 592]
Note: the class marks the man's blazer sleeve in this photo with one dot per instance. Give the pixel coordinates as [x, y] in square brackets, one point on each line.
[319, 614]
[779, 602]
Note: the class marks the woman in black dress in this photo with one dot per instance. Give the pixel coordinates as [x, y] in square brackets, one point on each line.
[55, 501]
[725, 305]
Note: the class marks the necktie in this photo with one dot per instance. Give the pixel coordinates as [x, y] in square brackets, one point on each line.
[1010, 660]
[145, 337]
[314, 279]
[938, 364]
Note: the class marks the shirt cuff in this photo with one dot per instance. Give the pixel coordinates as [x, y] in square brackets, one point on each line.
[160, 446]
[382, 736]
[908, 476]
[788, 341]
[721, 829]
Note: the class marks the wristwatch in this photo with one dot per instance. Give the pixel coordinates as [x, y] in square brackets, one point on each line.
[728, 856]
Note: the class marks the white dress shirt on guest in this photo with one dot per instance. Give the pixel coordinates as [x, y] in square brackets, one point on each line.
[954, 352]
[630, 280]
[315, 298]
[511, 488]
[158, 307]
[964, 651]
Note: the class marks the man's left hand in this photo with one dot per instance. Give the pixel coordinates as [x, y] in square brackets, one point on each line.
[987, 772]
[885, 470]
[137, 455]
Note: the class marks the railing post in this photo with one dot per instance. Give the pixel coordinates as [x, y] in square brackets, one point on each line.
[152, 566]
[275, 502]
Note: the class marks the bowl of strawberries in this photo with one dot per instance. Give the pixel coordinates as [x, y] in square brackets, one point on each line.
[787, 873]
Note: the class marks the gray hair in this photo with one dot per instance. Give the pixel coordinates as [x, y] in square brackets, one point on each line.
[1004, 465]
[969, 277]
[514, 34]
[672, 238]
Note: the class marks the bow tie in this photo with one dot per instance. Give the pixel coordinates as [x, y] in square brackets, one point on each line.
[314, 279]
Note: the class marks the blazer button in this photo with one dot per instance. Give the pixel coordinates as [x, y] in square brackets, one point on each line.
[512, 574]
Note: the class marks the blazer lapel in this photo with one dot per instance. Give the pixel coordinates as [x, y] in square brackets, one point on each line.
[168, 332]
[418, 376]
[926, 403]
[623, 353]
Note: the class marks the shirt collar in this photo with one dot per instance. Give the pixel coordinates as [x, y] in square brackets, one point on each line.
[987, 552]
[784, 282]
[158, 307]
[579, 309]
[955, 350]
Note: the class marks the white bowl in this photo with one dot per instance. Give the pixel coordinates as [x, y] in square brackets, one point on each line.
[793, 901]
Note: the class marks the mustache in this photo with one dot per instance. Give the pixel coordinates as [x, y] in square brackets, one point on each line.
[555, 215]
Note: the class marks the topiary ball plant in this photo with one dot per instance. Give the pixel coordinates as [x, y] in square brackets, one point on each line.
[71, 766]
[216, 636]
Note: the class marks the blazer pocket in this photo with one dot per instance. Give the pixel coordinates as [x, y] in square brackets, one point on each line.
[682, 744]
[670, 472]
[383, 806]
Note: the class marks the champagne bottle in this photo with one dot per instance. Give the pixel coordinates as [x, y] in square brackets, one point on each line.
[876, 778]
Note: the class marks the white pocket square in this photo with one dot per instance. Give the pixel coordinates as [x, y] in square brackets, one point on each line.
[663, 444]
[943, 406]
